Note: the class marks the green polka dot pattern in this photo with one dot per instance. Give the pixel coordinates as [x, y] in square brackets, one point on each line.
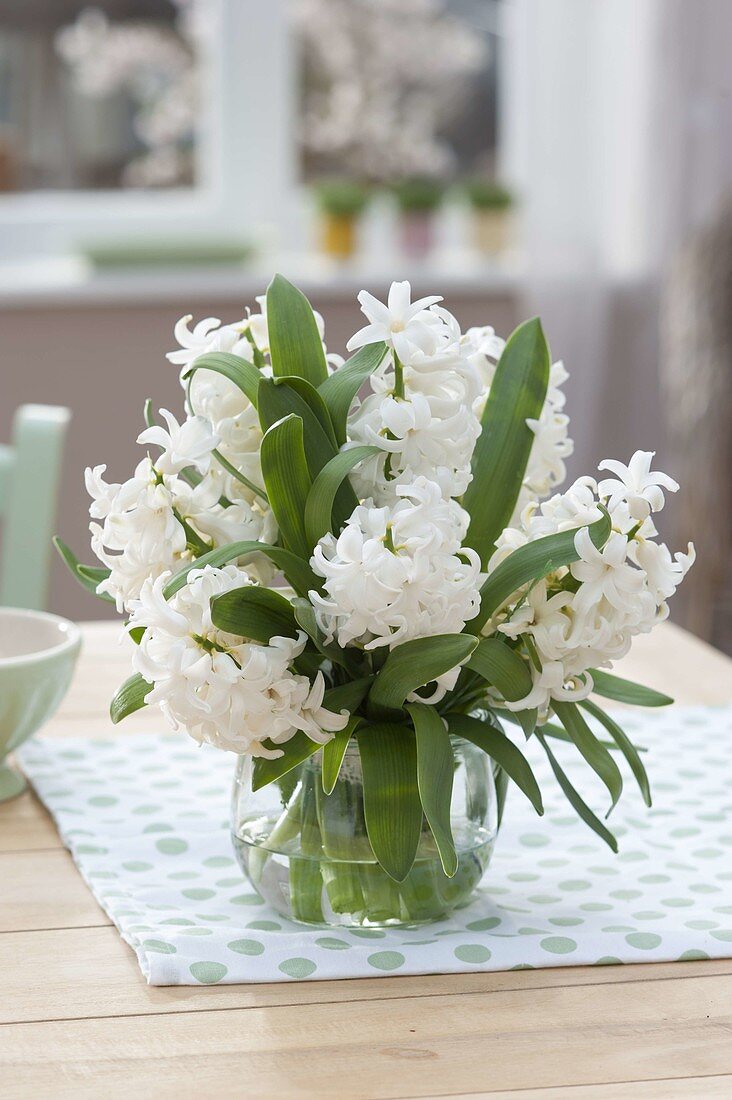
[146, 822]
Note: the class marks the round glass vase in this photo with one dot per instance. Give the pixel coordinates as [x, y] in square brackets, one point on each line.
[308, 855]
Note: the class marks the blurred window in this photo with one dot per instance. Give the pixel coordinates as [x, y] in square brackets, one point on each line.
[397, 88]
[97, 97]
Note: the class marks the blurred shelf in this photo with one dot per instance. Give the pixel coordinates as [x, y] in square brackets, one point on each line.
[73, 281]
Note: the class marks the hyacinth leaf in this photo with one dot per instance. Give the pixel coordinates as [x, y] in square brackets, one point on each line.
[297, 571]
[596, 755]
[392, 807]
[313, 399]
[625, 691]
[501, 667]
[347, 696]
[577, 803]
[305, 616]
[147, 412]
[237, 475]
[137, 633]
[501, 749]
[129, 698]
[550, 729]
[243, 374]
[321, 515]
[500, 779]
[294, 341]
[287, 481]
[299, 748]
[435, 771]
[91, 575]
[277, 399]
[532, 562]
[502, 451]
[626, 746]
[255, 613]
[412, 665]
[334, 752]
[339, 390]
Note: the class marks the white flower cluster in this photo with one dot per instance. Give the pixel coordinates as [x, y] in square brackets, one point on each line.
[226, 691]
[156, 520]
[397, 570]
[420, 409]
[585, 615]
[398, 573]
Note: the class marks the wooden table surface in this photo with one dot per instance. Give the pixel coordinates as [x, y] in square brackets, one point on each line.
[79, 1020]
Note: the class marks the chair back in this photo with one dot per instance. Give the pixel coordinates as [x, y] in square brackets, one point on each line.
[30, 469]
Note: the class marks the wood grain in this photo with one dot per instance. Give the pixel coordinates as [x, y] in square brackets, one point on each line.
[556, 1037]
[90, 972]
[80, 1021]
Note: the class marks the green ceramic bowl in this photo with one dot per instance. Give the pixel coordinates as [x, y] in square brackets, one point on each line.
[38, 652]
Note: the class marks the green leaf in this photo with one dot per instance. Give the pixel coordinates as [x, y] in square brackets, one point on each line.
[626, 746]
[130, 697]
[596, 755]
[238, 475]
[501, 667]
[339, 390]
[295, 346]
[287, 481]
[294, 751]
[550, 729]
[625, 691]
[297, 571]
[414, 664]
[243, 374]
[148, 413]
[392, 807]
[577, 803]
[348, 696]
[91, 575]
[500, 778]
[313, 399]
[435, 770]
[501, 454]
[501, 749]
[334, 752]
[258, 614]
[305, 616]
[319, 508]
[531, 562]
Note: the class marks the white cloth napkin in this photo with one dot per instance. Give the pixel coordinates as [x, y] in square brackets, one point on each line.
[147, 821]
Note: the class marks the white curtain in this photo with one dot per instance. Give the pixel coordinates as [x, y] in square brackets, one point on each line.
[617, 133]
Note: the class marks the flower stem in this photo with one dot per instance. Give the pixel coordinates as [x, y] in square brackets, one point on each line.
[398, 377]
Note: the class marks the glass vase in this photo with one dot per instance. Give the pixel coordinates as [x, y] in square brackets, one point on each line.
[308, 855]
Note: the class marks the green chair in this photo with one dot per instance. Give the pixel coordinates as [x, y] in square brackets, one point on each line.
[30, 469]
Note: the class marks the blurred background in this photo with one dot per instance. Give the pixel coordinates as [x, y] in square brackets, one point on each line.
[572, 159]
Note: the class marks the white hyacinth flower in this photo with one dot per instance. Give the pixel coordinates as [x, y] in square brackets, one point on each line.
[394, 574]
[227, 691]
[183, 445]
[404, 325]
[140, 536]
[585, 615]
[636, 484]
[207, 336]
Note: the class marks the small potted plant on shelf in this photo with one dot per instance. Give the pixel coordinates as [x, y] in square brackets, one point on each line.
[491, 203]
[357, 576]
[341, 203]
[418, 199]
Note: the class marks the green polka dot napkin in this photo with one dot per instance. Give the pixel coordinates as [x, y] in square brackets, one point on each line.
[146, 820]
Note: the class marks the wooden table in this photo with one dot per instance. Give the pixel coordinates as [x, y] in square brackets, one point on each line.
[79, 1021]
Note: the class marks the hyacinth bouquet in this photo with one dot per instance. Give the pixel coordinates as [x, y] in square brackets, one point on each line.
[357, 576]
